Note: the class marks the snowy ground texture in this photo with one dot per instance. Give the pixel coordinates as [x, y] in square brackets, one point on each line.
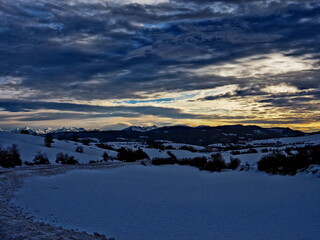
[175, 202]
[14, 222]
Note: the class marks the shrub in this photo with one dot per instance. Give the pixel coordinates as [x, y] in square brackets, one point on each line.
[48, 140]
[234, 163]
[85, 141]
[105, 146]
[10, 157]
[251, 150]
[128, 155]
[279, 163]
[79, 149]
[188, 148]
[172, 156]
[66, 159]
[217, 163]
[105, 156]
[235, 152]
[199, 162]
[40, 159]
[162, 161]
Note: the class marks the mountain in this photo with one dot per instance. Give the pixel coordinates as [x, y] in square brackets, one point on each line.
[203, 135]
[33, 131]
[140, 129]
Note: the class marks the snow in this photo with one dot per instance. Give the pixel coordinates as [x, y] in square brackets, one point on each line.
[176, 202]
[310, 139]
[29, 145]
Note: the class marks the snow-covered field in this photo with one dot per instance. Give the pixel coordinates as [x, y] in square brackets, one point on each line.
[176, 202]
[29, 146]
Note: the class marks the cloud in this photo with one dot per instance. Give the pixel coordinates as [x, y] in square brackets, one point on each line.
[139, 52]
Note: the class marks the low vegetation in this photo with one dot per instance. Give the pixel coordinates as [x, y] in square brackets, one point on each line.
[10, 157]
[63, 158]
[215, 164]
[288, 163]
[128, 155]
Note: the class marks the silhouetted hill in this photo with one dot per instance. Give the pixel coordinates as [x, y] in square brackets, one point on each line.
[202, 135]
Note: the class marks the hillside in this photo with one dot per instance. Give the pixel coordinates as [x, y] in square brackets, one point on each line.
[29, 145]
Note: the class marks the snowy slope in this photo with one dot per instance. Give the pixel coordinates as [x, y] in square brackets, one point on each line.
[174, 202]
[29, 145]
[310, 139]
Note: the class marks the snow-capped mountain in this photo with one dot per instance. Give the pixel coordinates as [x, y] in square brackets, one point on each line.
[34, 131]
[140, 129]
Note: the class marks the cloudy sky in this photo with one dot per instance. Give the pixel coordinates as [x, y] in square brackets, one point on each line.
[112, 63]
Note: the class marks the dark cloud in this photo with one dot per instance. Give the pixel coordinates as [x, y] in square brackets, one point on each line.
[86, 51]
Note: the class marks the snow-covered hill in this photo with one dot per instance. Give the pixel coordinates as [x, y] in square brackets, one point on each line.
[140, 129]
[35, 131]
[29, 145]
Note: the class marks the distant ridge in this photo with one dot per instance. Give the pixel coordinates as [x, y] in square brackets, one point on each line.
[203, 135]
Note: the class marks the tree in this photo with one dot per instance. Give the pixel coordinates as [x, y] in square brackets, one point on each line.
[105, 156]
[10, 157]
[79, 149]
[234, 163]
[48, 140]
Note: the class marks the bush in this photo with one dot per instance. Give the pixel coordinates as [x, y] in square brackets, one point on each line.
[40, 159]
[48, 140]
[188, 148]
[234, 163]
[79, 149]
[128, 155]
[105, 156]
[252, 150]
[217, 163]
[280, 163]
[162, 161]
[85, 141]
[235, 152]
[199, 162]
[66, 159]
[172, 156]
[105, 146]
[10, 157]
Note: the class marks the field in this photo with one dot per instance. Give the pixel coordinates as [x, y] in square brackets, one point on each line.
[175, 202]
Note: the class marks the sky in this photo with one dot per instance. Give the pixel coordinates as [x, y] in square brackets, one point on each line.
[109, 64]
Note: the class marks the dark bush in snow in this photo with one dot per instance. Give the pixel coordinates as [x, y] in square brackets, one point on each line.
[199, 162]
[128, 155]
[48, 140]
[79, 149]
[234, 163]
[105, 146]
[40, 158]
[188, 148]
[105, 156]
[288, 164]
[162, 161]
[217, 163]
[172, 156]
[65, 159]
[85, 141]
[10, 157]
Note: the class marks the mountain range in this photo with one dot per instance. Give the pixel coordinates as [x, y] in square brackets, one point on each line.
[202, 135]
